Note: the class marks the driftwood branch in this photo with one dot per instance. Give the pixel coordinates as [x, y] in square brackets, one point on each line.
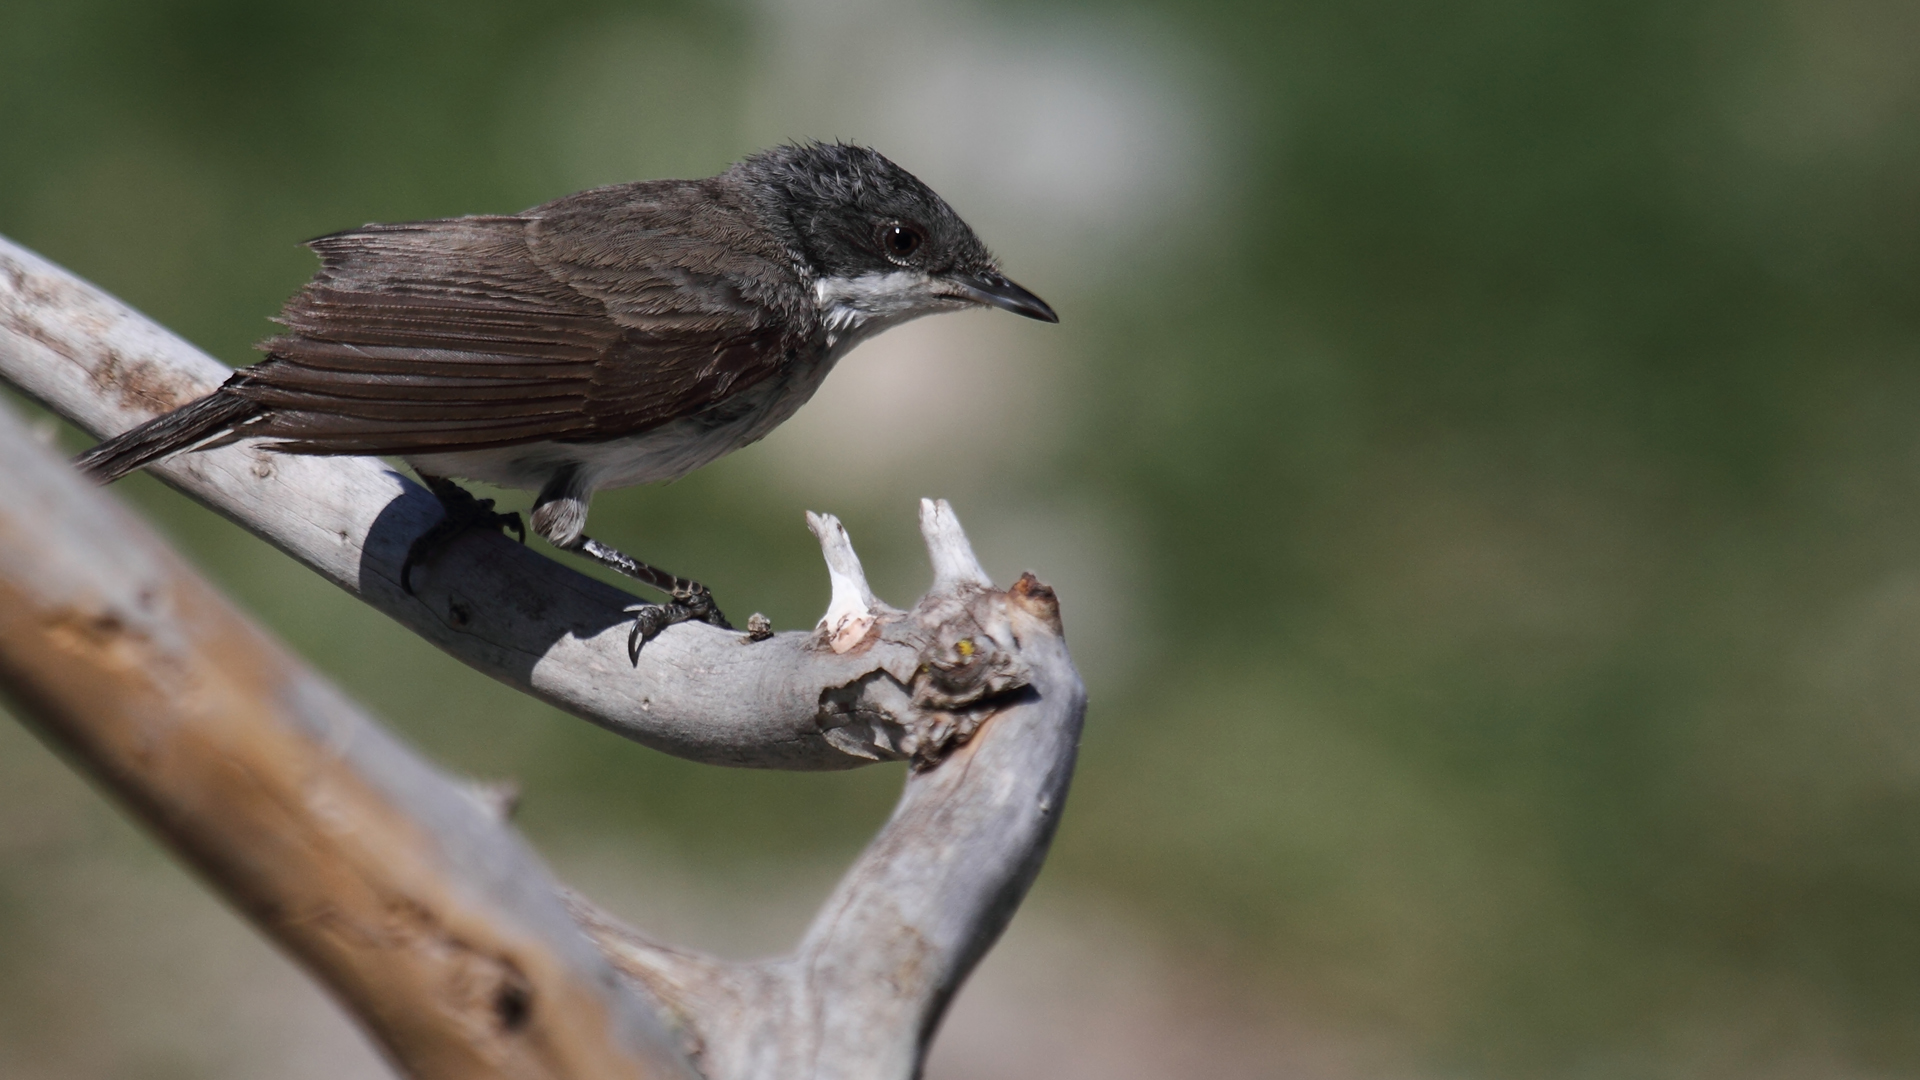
[974, 685]
[422, 911]
[930, 894]
[507, 611]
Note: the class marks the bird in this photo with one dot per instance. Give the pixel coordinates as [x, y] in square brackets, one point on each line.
[622, 335]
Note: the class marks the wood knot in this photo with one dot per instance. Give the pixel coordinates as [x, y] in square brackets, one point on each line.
[1037, 599]
[513, 1002]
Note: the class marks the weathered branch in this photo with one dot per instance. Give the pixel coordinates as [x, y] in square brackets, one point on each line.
[892, 945]
[974, 685]
[425, 914]
[931, 893]
[505, 610]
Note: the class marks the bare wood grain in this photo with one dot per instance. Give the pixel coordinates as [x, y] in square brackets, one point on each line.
[428, 917]
[973, 685]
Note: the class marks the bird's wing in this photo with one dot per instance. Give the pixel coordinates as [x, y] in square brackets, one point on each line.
[591, 318]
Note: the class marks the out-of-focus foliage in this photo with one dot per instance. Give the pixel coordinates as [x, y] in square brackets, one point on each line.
[1507, 468]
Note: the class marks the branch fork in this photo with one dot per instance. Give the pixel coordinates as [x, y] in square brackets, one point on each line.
[117, 650]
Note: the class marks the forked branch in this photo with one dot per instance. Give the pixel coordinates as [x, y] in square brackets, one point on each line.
[428, 917]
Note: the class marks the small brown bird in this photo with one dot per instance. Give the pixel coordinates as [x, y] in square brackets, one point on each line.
[617, 336]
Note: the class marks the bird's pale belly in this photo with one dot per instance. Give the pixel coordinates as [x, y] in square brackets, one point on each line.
[667, 452]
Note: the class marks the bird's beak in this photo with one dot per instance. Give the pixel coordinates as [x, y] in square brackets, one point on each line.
[994, 290]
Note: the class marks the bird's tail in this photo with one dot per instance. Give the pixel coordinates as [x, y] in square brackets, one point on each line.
[183, 428]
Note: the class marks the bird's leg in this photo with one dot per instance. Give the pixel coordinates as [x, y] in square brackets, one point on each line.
[560, 514]
[460, 511]
[691, 601]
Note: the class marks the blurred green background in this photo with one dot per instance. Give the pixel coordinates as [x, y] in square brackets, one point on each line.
[1478, 459]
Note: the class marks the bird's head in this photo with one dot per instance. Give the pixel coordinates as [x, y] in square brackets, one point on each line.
[882, 246]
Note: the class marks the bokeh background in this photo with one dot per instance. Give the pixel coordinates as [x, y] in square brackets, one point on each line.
[1478, 459]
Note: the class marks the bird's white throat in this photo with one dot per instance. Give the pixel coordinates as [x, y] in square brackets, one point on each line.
[863, 303]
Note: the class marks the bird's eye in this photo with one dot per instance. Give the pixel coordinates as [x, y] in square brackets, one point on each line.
[899, 241]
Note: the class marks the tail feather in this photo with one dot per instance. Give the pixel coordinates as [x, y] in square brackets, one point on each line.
[183, 428]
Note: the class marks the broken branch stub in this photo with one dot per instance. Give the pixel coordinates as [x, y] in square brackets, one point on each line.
[853, 608]
[942, 668]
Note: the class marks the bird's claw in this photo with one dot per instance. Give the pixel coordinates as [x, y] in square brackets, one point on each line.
[689, 604]
[650, 619]
[697, 599]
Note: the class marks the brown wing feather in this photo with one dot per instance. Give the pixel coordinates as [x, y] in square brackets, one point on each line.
[600, 315]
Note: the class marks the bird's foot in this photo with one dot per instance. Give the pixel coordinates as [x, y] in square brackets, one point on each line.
[688, 605]
[460, 511]
[690, 601]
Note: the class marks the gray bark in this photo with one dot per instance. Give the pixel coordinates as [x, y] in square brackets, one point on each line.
[973, 685]
[429, 917]
[507, 611]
